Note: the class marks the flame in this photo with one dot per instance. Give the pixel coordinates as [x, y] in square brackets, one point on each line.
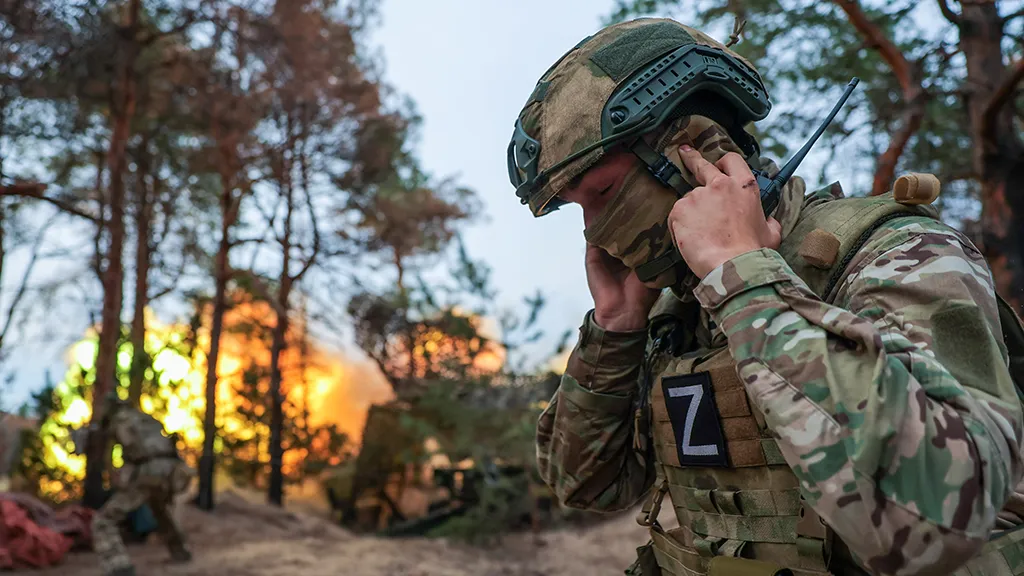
[331, 387]
[334, 388]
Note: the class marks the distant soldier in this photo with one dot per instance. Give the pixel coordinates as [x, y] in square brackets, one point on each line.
[153, 474]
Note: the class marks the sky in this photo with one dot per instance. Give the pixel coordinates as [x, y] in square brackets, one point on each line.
[470, 66]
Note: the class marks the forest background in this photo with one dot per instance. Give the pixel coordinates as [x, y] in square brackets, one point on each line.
[235, 212]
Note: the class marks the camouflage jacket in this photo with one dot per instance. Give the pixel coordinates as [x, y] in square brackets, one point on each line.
[141, 436]
[893, 405]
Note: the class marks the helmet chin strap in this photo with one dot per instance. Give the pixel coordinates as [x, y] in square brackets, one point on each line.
[669, 175]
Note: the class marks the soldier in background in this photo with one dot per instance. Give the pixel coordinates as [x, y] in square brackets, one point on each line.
[821, 387]
[153, 474]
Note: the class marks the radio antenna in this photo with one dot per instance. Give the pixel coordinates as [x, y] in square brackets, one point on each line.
[771, 188]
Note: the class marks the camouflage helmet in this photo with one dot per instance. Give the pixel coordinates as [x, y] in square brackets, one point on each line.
[618, 85]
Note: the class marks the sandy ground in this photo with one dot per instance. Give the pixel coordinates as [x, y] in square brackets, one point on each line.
[246, 539]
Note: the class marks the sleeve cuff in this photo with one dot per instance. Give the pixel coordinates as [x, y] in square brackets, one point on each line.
[744, 272]
[592, 401]
[602, 359]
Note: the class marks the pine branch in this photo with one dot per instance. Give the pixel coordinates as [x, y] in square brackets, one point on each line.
[261, 288]
[1000, 98]
[948, 12]
[12, 309]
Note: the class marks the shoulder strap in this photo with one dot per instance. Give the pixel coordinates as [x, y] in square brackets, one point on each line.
[846, 224]
[852, 221]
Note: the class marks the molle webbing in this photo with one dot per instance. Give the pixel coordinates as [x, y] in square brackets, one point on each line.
[678, 559]
[1003, 555]
[752, 508]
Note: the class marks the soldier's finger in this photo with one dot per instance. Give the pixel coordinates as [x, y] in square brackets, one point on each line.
[703, 170]
[734, 166]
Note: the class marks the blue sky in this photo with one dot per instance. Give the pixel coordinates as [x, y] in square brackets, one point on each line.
[470, 66]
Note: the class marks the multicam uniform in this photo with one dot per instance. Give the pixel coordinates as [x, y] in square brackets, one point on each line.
[842, 403]
[154, 474]
[882, 404]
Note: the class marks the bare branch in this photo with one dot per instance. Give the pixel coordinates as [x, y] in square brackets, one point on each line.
[911, 119]
[914, 94]
[948, 12]
[12, 309]
[315, 250]
[36, 191]
[1016, 14]
[999, 99]
[878, 40]
[175, 279]
[261, 288]
[243, 241]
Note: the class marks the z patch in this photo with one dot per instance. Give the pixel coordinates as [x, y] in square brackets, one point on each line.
[690, 400]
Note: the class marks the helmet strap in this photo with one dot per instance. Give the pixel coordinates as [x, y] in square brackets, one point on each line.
[663, 170]
[669, 175]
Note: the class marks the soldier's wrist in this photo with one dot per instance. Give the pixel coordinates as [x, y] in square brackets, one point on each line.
[627, 322]
[606, 359]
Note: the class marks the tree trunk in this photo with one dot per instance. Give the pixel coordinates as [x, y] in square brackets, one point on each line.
[406, 383]
[143, 219]
[998, 149]
[276, 485]
[304, 370]
[113, 274]
[205, 498]
[3, 238]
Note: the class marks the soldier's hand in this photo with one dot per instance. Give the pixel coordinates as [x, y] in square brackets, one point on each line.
[722, 218]
[621, 301]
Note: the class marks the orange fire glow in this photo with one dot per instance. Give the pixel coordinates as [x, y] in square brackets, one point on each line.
[334, 387]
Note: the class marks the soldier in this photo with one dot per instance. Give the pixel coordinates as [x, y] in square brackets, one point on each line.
[825, 390]
[153, 474]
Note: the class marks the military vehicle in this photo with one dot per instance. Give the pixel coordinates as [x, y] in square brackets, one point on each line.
[395, 488]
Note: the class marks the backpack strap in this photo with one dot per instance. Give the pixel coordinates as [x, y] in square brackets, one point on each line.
[830, 233]
[1013, 339]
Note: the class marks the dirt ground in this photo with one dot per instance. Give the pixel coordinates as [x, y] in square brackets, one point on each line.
[247, 539]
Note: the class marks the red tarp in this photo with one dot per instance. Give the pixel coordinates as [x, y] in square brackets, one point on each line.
[34, 536]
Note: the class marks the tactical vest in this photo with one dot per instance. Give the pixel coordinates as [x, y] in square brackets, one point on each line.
[737, 501]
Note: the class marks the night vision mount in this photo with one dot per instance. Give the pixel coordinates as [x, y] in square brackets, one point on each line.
[655, 94]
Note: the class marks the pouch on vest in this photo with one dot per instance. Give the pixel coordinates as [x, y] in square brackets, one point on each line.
[646, 563]
[852, 221]
[729, 566]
